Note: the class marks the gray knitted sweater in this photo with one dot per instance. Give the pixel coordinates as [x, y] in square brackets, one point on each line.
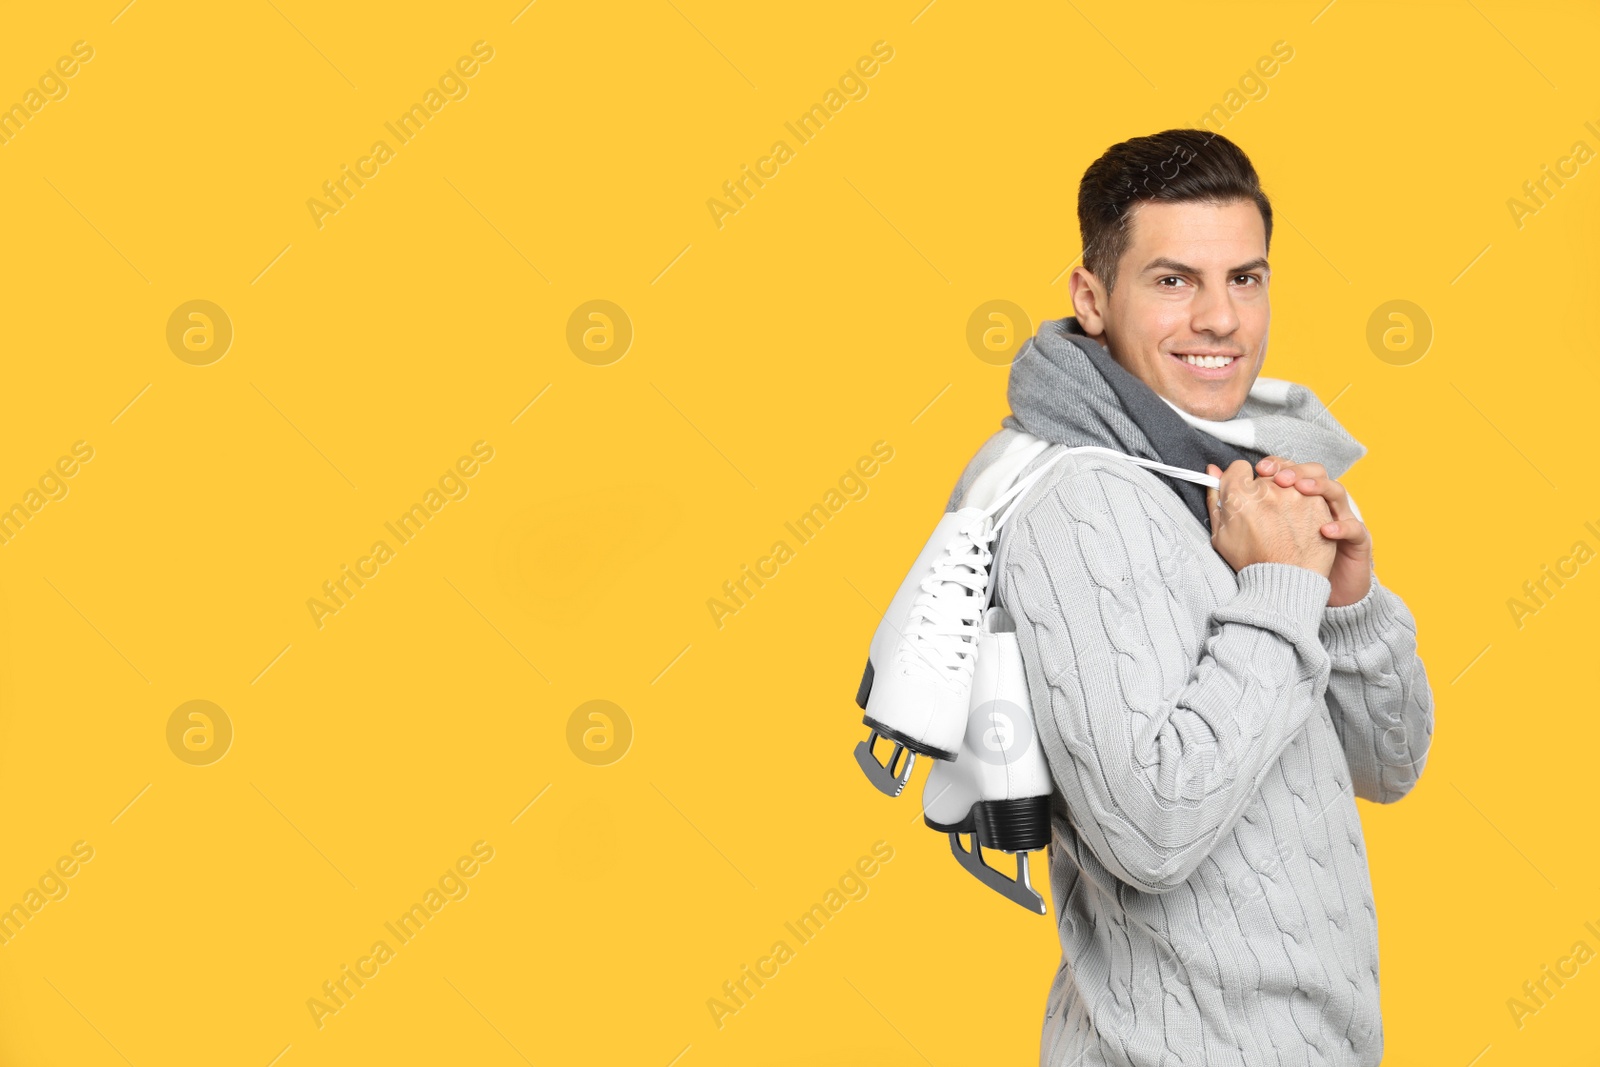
[1208, 733]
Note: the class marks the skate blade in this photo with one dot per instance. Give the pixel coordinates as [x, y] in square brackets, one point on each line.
[884, 777]
[1018, 890]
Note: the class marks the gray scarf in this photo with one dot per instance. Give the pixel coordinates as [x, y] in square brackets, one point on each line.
[1066, 388]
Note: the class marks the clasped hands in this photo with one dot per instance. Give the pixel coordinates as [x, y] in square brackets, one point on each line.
[1293, 513]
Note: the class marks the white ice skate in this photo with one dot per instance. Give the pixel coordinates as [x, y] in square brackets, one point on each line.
[916, 686]
[998, 788]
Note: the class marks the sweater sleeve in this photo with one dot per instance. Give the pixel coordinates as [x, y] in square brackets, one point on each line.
[1159, 732]
[1378, 694]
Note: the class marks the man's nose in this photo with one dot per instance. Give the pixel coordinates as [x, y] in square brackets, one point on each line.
[1214, 312]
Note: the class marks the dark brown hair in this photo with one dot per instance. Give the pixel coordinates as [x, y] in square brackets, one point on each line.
[1173, 166]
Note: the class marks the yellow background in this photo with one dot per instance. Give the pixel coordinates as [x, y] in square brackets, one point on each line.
[768, 355]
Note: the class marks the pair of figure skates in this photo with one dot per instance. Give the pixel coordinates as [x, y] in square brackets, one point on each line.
[945, 679]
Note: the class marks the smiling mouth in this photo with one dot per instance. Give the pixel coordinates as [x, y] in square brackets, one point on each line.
[1209, 366]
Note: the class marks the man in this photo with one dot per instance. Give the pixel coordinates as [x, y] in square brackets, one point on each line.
[1216, 674]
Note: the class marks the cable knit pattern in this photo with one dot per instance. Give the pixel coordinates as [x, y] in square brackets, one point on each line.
[1208, 733]
[1384, 715]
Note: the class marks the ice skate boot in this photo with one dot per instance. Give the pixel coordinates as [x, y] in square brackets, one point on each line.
[916, 690]
[998, 788]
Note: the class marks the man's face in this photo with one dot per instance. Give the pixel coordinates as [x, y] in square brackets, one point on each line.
[1193, 282]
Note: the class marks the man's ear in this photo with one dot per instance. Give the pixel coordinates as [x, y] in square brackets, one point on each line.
[1089, 301]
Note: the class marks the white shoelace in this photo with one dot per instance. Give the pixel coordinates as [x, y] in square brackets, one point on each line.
[942, 630]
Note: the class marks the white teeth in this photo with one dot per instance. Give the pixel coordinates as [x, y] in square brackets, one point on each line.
[1208, 361]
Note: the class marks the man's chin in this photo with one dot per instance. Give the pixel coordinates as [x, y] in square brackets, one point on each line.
[1209, 408]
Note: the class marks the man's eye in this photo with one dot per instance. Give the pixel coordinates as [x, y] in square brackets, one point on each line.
[1169, 278]
[1251, 277]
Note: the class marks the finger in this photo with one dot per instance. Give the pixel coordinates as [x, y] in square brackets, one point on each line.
[1293, 473]
[1338, 501]
[1351, 530]
[1230, 492]
[1331, 491]
[1311, 479]
[1235, 485]
[1267, 466]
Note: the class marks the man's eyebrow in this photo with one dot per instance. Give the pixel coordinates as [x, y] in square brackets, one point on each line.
[1162, 263]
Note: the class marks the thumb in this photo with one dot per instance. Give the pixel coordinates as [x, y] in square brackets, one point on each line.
[1211, 493]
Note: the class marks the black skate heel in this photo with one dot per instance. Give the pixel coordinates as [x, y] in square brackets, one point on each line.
[1018, 825]
[864, 691]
